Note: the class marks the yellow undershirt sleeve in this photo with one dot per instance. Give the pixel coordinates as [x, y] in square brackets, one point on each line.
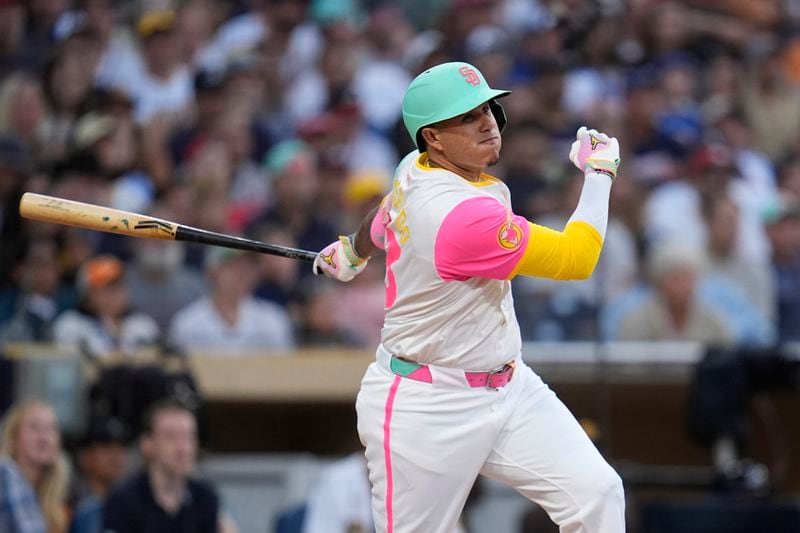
[571, 254]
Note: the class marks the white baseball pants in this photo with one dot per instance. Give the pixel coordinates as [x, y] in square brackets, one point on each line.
[427, 442]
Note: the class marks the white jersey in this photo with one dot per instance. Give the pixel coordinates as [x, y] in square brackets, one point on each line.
[450, 245]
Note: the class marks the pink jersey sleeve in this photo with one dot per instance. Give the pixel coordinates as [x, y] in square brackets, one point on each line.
[480, 238]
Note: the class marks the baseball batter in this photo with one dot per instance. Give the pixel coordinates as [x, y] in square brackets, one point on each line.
[448, 396]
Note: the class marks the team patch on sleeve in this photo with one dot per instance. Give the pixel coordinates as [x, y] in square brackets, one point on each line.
[480, 237]
[510, 235]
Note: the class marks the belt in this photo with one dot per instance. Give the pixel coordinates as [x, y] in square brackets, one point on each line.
[493, 379]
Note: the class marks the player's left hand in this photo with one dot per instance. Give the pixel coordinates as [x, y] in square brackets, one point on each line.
[593, 151]
[339, 260]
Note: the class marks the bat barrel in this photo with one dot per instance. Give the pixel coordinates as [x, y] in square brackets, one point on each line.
[95, 217]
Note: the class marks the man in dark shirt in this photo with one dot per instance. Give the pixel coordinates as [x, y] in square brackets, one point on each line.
[163, 498]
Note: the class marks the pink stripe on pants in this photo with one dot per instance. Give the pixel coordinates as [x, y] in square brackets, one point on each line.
[387, 454]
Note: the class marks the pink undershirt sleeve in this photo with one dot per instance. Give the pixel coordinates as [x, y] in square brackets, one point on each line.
[480, 237]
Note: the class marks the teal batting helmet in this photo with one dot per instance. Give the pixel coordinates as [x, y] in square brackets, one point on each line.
[446, 91]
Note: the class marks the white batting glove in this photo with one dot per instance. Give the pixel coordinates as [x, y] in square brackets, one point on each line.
[339, 260]
[595, 152]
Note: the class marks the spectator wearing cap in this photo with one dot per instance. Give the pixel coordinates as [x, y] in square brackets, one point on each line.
[103, 461]
[107, 144]
[230, 319]
[210, 98]
[158, 82]
[294, 174]
[102, 457]
[104, 322]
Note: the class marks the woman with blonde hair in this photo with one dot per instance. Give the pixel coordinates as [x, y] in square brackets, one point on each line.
[33, 472]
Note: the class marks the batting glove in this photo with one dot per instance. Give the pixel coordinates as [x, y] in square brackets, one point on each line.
[339, 260]
[595, 152]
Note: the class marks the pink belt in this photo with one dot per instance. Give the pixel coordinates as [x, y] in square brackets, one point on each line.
[493, 379]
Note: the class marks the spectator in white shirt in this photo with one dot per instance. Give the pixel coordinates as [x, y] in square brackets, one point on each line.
[230, 318]
[157, 81]
[104, 322]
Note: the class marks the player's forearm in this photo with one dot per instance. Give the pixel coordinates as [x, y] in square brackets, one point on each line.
[362, 240]
[571, 254]
[592, 206]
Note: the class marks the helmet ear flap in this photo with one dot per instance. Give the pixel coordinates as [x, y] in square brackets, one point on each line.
[421, 145]
[499, 114]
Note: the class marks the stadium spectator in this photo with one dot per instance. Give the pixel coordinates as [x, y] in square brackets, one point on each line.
[29, 309]
[33, 474]
[12, 30]
[158, 81]
[67, 80]
[230, 318]
[22, 109]
[177, 103]
[673, 310]
[784, 233]
[159, 282]
[294, 174]
[103, 461]
[711, 170]
[319, 325]
[340, 499]
[278, 277]
[754, 278]
[164, 497]
[104, 322]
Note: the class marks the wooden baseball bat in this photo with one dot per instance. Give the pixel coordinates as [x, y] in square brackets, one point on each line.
[95, 217]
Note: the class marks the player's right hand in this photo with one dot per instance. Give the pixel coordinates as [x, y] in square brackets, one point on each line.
[339, 260]
[595, 152]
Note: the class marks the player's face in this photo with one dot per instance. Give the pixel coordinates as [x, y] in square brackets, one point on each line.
[471, 141]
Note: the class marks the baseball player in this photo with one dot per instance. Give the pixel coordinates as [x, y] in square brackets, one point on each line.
[449, 396]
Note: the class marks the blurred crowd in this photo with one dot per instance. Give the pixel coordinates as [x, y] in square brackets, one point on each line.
[280, 120]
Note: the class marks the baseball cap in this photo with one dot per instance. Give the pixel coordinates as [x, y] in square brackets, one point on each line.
[209, 80]
[784, 207]
[157, 21]
[217, 256]
[711, 156]
[106, 431]
[100, 271]
[284, 153]
[364, 186]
